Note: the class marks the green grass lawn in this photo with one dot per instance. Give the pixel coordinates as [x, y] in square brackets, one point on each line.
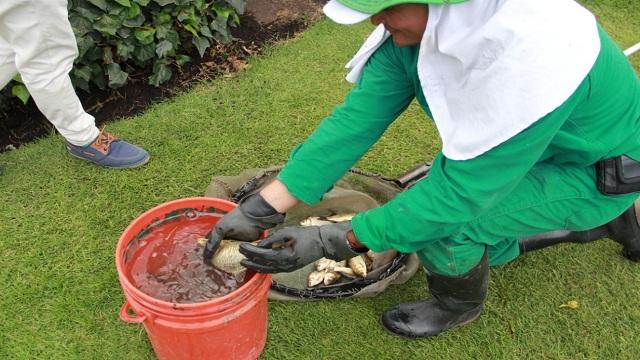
[60, 220]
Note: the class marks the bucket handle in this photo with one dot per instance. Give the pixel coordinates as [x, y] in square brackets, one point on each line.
[126, 317]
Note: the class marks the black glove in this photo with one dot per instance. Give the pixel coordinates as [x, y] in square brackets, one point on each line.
[245, 223]
[294, 247]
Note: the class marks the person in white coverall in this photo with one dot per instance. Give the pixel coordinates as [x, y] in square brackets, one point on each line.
[37, 41]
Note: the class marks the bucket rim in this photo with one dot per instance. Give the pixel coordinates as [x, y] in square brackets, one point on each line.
[125, 238]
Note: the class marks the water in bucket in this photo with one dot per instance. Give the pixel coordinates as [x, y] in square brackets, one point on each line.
[166, 261]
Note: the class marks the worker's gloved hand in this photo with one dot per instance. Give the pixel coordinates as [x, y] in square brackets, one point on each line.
[244, 223]
[294, 247]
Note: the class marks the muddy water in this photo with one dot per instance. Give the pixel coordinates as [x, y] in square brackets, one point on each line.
[167, 263]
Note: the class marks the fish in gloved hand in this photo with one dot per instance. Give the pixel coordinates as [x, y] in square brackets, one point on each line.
[227, 256]
[294, 247]
[244, 223]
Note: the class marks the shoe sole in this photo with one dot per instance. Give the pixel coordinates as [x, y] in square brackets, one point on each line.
[130, 166]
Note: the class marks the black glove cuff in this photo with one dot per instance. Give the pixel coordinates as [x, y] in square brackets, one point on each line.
[256, 207]
[335, 242]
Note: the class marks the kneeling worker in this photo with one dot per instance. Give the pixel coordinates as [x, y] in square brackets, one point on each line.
[528, 109]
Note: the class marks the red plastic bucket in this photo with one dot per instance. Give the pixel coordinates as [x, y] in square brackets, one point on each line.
[233, 326]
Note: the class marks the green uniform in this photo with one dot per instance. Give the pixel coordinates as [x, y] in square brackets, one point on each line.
[539, 180]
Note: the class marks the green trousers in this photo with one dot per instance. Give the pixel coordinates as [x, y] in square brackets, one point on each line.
[550, 197]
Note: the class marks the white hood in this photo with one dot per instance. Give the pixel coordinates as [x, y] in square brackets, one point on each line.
[491, 68]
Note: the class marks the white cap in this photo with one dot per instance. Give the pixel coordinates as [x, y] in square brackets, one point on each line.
[342, 14]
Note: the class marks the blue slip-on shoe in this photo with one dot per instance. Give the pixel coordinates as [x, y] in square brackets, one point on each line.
[109, 151]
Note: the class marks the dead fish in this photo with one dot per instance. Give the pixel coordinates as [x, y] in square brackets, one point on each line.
[315, 221]
[202, 241]
[358, 266]
[381, 259]
[227, 257]
[340, 217]
[368, 262]
[325, 264]
[342, 263]
[331, 277]
[321, 220]
[346, 271]
[315, 278]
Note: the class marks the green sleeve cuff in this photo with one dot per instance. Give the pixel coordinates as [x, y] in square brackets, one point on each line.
[366, 236]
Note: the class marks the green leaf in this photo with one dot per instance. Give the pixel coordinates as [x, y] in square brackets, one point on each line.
[145, 52]
[107, 24]
[107, 55]
[102, 4]
[145, 35]
[173, 37]
[93, 53]
[20, 91]
[222, 11]
[204, 30]
[135, 22]
[182, 59]
[83, 72]
[88, 12]
[80, 25]
[235, 19]
[223, 38]
[164, 2]
[124, 33]
[142, 2]
[116, 9]
[79, 83]
[97, 76]
[219, 24]
[125, 50]
[188, 16]
[164, 48]
[124, 3]
[162, 30]
[84, 43]
[238, 5]
[201, 43]
[134, 11]
[161, 73]
[163, 18]
[191, 29]
[117, 77]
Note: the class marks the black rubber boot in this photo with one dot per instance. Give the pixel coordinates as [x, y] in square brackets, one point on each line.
[624, 229]
[456, 301]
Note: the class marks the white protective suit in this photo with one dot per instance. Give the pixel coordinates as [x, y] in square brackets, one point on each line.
[36, 40]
